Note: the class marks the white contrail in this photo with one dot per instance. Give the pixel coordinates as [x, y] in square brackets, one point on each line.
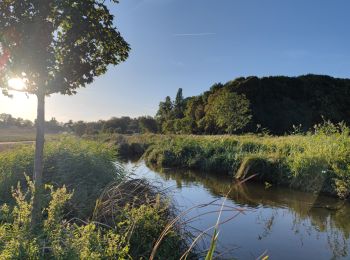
[193, 34]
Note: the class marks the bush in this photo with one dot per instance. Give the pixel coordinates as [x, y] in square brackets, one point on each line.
[129, 234]
[57, 239]
[146, 206]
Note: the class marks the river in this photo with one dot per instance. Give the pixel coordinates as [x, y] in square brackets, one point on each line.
[279, 222]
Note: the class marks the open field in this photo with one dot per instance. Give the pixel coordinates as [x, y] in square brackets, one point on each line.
[15, 134]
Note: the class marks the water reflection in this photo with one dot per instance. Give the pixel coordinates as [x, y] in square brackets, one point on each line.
[289, 224]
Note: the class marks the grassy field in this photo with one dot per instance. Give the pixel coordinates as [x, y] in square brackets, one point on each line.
[314, 162]
[16, 134]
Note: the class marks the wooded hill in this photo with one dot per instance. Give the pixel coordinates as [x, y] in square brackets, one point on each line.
[252, 104]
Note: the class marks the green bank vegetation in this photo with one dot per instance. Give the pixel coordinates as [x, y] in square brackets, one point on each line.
[90, 209]
[318, 161]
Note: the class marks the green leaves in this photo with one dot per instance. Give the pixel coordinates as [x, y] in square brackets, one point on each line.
[58, 46]
[228, 110]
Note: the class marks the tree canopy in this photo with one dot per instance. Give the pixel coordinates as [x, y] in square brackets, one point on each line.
[57, 46]
[249, 104]
[228, 110]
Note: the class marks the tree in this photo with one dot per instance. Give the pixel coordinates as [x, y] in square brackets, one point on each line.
[229, 110]
[53, 126]
[116, 125]
[179, 105]
[194, 112]
[7, 120]
[165, 112]
[79, 128]
[148, 124]
[55, 46]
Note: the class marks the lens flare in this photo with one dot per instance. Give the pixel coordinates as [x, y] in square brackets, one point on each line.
[17, 84]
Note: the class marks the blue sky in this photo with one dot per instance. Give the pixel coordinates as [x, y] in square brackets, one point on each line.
[194, 43]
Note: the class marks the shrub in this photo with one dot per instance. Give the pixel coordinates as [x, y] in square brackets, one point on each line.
[148, 210]
[58, 239]
[131, 234]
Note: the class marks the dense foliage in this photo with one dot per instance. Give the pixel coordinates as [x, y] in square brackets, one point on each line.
[58, 46]
[274, 104]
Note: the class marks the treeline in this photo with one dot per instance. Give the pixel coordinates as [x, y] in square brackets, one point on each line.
[273, 104]
[276, 105]
[122, 125]
[8, 121]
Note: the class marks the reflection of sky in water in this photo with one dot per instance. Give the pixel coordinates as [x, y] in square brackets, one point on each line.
[281, 221]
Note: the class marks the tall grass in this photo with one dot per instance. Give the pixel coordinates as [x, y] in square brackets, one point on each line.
[318, 161]
[83, 166]
[80, 178]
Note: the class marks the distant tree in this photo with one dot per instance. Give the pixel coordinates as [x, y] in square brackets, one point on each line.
[148, 124]
[133, 126]
[183, 126]
[229, 110]
[117, 125]
[69, 126]
[53, 126]
[55, 46]
[79, 128]
[165, 112]
[27, 124]
[168, 126]
[93, 128]
[179, 105]
[216, 87]
[194, 112]
[7, 120]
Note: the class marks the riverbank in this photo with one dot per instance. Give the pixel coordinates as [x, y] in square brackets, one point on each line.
[91, 207]
[317, 162]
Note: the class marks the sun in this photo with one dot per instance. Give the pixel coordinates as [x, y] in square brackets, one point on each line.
[17, 84]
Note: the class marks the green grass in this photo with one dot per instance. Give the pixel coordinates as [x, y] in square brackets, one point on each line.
[15, 134]
[77, 173]
[314, 162]
[84, 166]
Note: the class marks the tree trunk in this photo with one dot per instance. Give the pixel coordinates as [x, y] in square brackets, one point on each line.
[39, 156]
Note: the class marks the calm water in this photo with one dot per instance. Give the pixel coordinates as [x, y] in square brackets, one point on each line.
[286, 224]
